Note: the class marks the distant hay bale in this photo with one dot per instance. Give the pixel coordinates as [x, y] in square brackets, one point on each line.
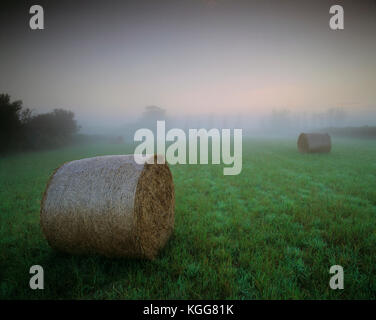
[109, 205]
[314, 142]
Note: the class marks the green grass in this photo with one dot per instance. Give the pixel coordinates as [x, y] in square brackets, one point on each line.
[271, 232]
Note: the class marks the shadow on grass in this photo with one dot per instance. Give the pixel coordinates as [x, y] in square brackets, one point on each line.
[79, 276]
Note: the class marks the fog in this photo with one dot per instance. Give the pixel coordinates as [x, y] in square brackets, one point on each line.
[270, 68]
[279, 122]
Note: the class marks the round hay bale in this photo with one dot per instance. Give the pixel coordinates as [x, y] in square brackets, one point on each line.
[109, 205]
[314, 142]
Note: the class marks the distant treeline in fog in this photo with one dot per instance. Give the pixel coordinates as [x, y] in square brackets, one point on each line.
[353, 132]
[20, 129]
[281, 122]
[277, 123]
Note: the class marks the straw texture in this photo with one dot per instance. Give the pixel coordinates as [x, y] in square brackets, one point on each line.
[314, 143]
[109, 205]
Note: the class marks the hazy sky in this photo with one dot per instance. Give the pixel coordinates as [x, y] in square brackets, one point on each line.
[109, 59]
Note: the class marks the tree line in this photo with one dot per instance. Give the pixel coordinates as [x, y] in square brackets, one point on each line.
[20, 129]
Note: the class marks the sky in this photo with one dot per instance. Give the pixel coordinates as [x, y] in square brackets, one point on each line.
[107, 60]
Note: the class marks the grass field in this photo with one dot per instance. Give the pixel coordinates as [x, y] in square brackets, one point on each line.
[271, 232]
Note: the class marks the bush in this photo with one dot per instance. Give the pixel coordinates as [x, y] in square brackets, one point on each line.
[19, 129]
[50, 129]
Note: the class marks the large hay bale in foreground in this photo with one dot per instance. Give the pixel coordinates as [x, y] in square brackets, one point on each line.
[314, 142]
[109, 205]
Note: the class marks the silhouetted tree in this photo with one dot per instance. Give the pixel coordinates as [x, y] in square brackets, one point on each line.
[280, 120]
[10, 123]
[335, 116]
[51, 129]
[20, 129]
[153, 113]
[150, 116]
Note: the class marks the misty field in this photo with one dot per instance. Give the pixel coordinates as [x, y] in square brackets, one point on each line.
[271, 232]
